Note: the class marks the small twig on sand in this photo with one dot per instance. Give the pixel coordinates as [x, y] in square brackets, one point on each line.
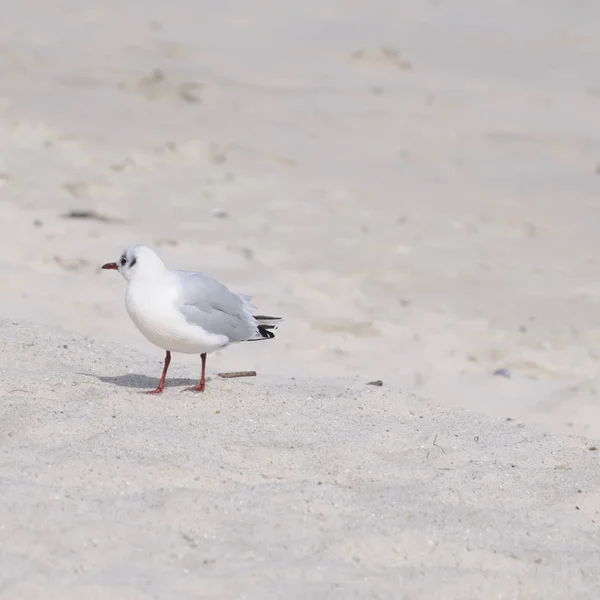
[436, 445]
[89, 214]
[237, 374]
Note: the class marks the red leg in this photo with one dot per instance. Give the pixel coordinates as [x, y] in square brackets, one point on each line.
[200, 387]
[161, 383]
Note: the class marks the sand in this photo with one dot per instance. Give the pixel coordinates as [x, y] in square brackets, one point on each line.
[413, 186]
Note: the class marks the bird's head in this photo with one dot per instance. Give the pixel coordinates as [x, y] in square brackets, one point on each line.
[136, 261]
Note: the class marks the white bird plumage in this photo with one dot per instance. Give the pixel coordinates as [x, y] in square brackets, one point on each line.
[185, 311]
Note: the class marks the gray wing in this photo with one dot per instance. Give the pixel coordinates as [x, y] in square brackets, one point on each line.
[209, 304]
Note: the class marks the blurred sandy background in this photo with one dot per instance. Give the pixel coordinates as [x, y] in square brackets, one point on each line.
[412, 185]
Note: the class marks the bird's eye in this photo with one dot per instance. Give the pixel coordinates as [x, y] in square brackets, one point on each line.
[123, 261]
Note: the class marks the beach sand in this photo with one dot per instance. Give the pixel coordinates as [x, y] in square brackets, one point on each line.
[274, 487]
[413, 186]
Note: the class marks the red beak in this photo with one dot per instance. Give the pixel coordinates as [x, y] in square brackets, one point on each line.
[112, 266]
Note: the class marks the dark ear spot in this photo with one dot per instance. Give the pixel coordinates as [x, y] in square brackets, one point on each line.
[133, 261]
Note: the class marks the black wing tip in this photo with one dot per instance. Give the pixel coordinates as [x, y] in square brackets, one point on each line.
[265, 324]
[264, 330]
[265, 318]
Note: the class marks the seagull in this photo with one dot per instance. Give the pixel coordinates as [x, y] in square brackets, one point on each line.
[185, 311]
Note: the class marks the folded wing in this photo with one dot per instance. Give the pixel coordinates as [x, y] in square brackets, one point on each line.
[209, 304]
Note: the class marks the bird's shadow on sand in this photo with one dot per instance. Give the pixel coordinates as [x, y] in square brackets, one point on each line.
[142, 382]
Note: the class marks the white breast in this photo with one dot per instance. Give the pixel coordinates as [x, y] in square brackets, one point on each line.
[152, 306]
